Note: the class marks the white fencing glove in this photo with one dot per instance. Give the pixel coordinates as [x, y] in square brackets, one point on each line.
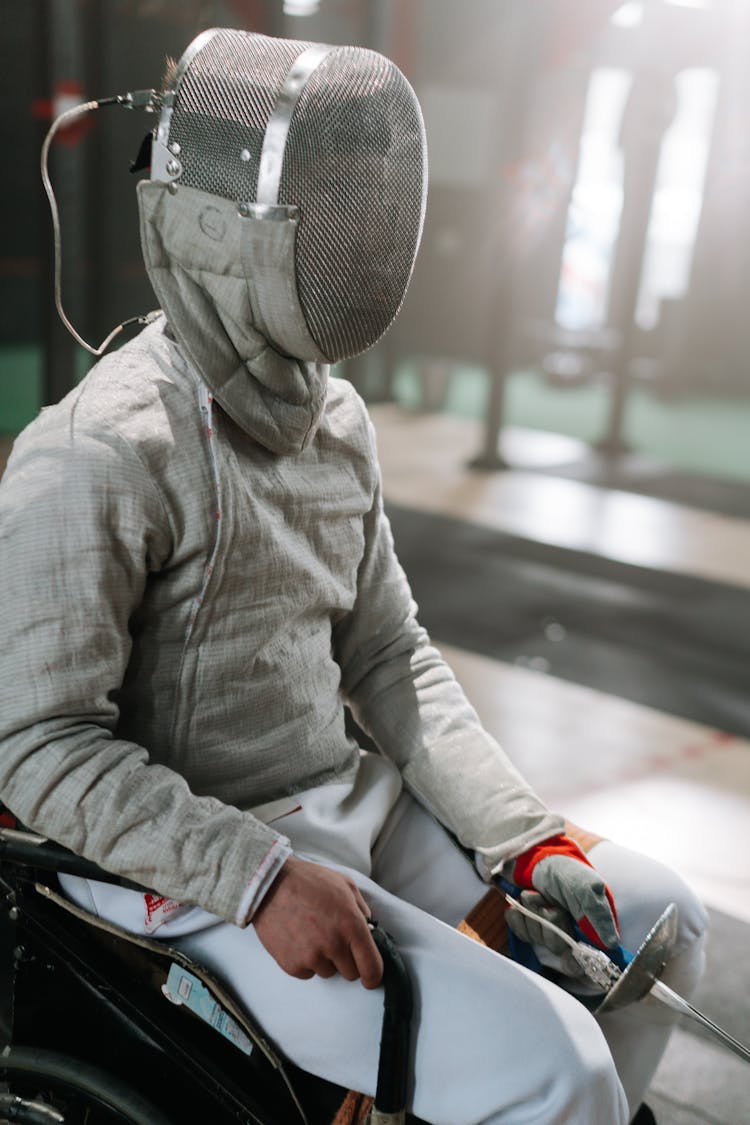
[561, 873]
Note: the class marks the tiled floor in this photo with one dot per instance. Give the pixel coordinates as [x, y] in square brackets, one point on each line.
[424, 459]
[665, 785]
[665, 777]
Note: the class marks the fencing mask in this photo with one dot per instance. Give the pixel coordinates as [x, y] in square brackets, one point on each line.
[291, 175]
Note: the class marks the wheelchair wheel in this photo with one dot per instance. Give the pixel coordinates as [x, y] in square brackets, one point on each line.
[39, 1087]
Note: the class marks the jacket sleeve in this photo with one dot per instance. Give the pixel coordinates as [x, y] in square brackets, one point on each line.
[81, 526]
[405, 697]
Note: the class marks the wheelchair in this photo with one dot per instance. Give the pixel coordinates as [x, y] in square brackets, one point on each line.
[89, 1036]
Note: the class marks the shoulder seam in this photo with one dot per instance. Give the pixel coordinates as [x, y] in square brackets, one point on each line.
[146, 472]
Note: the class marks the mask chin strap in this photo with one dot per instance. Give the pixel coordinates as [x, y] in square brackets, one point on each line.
[147, 100]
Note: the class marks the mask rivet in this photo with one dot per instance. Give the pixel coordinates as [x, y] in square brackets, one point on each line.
[244, 209]
[245, 155]
[173, 168]
[172, 189]
[175, 148]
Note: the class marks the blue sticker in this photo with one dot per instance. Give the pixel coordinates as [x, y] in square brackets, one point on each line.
[183, 988]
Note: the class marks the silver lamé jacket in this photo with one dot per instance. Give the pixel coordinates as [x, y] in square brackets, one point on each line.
[188, 603]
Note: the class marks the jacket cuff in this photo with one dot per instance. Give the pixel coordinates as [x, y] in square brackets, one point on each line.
[523, 866]
[263, 877]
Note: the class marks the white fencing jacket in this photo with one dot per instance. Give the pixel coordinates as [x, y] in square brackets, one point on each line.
[191, 596]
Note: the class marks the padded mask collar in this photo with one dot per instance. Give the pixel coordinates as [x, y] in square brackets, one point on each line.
[226, 284]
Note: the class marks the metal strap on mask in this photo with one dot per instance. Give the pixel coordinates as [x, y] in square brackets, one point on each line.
[165, 165]
[277, 131]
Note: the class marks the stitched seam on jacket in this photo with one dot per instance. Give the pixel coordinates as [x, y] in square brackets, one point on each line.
[205, 399]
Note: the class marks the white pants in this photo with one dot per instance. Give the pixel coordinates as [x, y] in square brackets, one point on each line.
[491, 1042]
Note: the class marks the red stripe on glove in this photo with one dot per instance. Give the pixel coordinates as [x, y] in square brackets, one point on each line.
[559, 845]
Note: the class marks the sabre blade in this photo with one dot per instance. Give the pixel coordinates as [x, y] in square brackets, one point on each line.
[640, 977]
[673, 1000]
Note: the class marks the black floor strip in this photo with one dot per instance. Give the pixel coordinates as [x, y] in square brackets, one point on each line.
[674, 642]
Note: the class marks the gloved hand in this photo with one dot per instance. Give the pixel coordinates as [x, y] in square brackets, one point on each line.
[534, 933]
[562, 875]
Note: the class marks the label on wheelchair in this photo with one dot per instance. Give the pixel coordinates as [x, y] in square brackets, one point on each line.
[182, 987]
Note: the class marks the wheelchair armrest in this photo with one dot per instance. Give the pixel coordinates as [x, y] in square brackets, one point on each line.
[390, 1096]
[27, 849]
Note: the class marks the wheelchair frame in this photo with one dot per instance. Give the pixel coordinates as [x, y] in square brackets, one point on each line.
[84, 1019]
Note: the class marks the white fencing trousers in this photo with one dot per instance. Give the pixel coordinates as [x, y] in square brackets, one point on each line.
[491, 1042]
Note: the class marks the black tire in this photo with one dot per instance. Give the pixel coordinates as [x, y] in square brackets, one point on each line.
[84, 1094]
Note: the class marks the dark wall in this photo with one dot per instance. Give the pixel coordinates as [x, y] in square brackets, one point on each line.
[101, 47]
[22, 243]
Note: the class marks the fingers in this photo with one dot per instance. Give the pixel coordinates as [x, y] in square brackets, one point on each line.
[524, 929]
[353, 959]
[368, 962]
[361, 902]
[535, 933]
[599, 927]
[583, 892]
[359, 957]
[314, 922]
[322, 967]
[595, 915]
[360, 960]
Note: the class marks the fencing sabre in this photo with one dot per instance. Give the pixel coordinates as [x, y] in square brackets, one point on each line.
[640, 977]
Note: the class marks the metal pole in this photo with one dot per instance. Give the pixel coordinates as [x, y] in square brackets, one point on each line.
[530, 32]
[61, 59]
[649, 112]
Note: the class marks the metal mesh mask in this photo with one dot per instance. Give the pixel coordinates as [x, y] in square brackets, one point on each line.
[335, 132]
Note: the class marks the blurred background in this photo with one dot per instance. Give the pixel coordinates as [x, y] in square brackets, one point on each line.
[586, 254]
[562, 407]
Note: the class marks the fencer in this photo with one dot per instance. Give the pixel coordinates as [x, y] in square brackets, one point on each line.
[198, 577]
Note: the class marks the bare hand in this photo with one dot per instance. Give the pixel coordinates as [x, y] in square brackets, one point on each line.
[313, 921]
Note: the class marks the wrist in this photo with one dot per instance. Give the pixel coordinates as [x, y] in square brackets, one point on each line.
[522, 867]
[263, 879]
